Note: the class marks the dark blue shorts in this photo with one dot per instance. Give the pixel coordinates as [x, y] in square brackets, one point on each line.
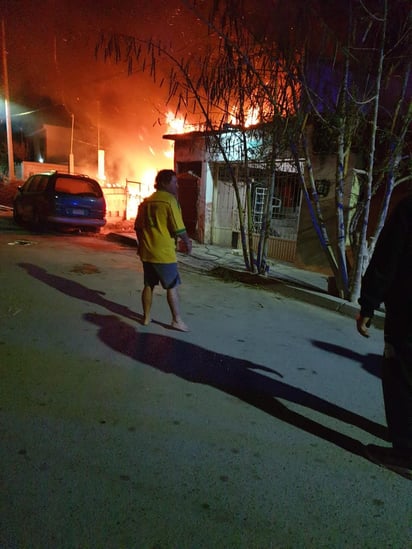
[165, 273]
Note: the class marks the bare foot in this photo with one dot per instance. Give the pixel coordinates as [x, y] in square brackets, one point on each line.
[180, 325]
[146, 321]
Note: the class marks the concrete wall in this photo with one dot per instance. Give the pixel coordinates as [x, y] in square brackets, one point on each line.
[26, 169]
[309, 252]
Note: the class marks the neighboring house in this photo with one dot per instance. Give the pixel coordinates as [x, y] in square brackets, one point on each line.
[48, 133]
[50, 144]
[210, 211]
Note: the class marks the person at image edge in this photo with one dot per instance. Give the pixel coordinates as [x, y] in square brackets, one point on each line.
[388, 280]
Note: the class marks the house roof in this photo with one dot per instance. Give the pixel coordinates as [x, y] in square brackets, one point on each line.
[187, 136]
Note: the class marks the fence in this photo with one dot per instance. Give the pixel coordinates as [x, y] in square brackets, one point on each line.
[284, 210]
[115, 203]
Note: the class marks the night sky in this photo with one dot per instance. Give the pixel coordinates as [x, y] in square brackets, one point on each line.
[51, 53]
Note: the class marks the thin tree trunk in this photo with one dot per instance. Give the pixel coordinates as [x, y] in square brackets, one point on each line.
[363, 257]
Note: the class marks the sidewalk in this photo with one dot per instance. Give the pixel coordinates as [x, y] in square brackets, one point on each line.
[283, 278]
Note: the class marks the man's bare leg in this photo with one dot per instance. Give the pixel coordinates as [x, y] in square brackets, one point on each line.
[147, 297]
[173, 301]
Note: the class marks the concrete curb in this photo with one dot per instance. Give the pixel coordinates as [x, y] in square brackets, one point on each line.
[123, 238]
[295, 291]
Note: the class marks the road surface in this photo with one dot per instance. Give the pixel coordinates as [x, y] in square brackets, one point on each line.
[246, 433]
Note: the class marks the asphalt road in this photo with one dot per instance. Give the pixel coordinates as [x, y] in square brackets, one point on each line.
[247, 432]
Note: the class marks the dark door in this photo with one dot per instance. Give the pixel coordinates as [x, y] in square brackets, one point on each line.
[188, 195]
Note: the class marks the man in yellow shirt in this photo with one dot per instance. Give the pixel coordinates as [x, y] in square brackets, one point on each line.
[158, 224]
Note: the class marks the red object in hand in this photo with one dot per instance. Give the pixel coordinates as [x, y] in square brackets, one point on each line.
[181, 246]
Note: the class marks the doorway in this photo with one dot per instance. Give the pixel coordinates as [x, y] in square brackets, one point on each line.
[188, 195]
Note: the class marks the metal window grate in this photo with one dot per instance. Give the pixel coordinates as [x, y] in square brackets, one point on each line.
[286, 200]
[285, 208]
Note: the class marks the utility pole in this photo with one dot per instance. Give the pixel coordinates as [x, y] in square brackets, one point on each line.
[100, 152]
[7, 105]
[71, 155]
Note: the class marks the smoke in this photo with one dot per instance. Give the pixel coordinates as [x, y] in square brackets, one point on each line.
[51, 54]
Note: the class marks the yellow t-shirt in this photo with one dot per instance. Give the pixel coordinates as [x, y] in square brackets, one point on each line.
[158, 222]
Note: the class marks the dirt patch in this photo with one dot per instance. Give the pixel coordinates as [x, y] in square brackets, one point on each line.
[232, 275]
[85, 268]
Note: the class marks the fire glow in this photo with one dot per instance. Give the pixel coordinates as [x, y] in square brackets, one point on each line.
[143, 169]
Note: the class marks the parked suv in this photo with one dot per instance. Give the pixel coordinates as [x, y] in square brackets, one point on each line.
[55, 198]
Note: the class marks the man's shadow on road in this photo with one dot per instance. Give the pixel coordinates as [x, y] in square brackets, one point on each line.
[234, 376]
[237, 377]
[79, 291]
[74, 289]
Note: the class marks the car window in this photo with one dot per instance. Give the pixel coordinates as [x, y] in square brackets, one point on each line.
[36, 183]
[42, 184]
[71, 185]
[26, 185]
[31, 185]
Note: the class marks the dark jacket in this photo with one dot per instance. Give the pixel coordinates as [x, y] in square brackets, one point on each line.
[388, 278]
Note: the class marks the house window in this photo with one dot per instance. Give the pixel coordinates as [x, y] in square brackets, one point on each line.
[286, 199]
[285, 207]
